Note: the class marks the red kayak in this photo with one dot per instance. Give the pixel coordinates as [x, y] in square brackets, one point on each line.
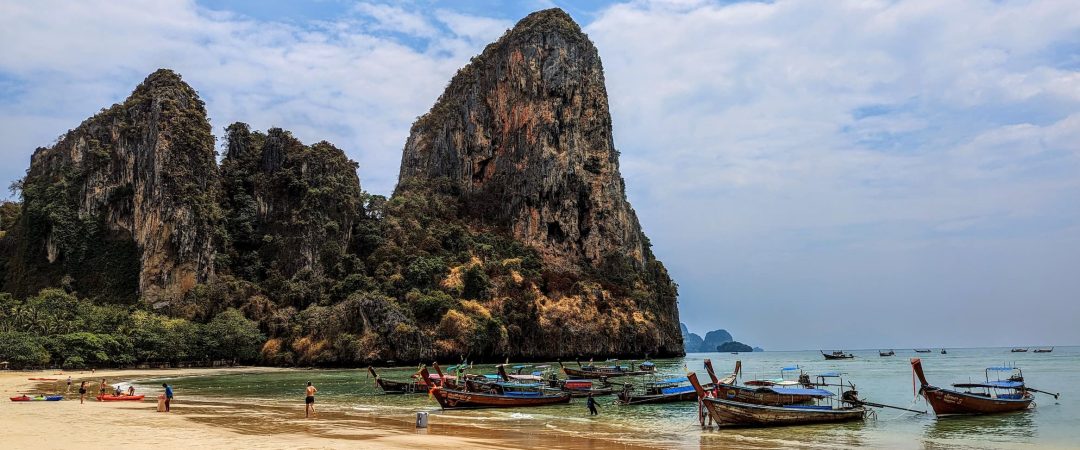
[120, 398]
[22, 398]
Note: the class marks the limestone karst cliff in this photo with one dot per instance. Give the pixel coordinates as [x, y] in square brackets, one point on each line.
[124, 203]
[509, 234]
[523, 135]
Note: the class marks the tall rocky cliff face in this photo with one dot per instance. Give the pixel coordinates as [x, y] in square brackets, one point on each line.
[523, 135]
[289, 208]
[123, 204]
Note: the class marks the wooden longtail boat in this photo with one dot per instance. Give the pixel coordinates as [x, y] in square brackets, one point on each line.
[766, 395]
[922, 350]
[420, 384]
[1019, 350]
[506, 396]
[581, 388]
[660, 391]
[888, 353]
[595, 373]
[734, 413]
[839, 354]
[948, 401]
[1044, 350]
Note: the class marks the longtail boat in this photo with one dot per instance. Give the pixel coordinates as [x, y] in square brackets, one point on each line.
[504, 395]
[888, 353]
[734, 413]
[580, 388]
[839, 354]
[1019, 350]
[660, 391]
[922, 350]
[420, 383]
[996, 396]
[1044, 350]
[763, 395]
[782, 381]
[595, 372]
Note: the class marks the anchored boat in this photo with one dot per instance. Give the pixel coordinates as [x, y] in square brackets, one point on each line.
[727, 412]
[839, 354]
[992, 396]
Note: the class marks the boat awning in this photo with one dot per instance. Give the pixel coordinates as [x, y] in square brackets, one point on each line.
[1000, 368]
[992, 384]
[525, 377]
[491, 376]
[830, 374]
[673, 380]
[519, 385]
[518, 367]
[648, 364]
[789, 368]
[677, 390]
[801, 391]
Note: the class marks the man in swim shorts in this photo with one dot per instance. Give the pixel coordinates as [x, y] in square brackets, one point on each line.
[309, 401]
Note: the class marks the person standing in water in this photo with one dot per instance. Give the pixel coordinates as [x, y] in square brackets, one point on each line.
[592, 406]
[104, 388]
[82, 392]
[168, 395]
[309, 401]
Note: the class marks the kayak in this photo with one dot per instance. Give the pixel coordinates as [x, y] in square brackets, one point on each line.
[40, 398]
[120, 398]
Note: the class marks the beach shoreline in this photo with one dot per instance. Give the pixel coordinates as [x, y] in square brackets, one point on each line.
[200, 422]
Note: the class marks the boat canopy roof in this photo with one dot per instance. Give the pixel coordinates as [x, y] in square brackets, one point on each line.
[830, 374]
[801, 391]
[518, 367]
[785, 369]
[673, 380]
[519, 385]
[677, 390]
[993, 384]
[1000, 368]
[648, 363]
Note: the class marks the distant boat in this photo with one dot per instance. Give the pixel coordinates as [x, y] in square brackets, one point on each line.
[839, 354]
[888, 353]
[943, 352]
[1044, 350]
[1019, 350]
[922, 350]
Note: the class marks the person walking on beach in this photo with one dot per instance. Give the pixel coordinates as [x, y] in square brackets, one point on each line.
[309, 401]
[168, 395]
[592, 406]
[68, 389]
[82, 392]
[104, 388]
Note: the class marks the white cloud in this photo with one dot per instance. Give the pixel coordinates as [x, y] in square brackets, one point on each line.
[814, 141]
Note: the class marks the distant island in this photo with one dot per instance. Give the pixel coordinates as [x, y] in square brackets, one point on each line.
[714, 341]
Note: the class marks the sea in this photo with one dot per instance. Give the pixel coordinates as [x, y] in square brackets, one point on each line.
[1052, 423]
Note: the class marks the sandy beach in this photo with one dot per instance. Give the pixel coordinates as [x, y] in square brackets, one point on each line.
[205, 423]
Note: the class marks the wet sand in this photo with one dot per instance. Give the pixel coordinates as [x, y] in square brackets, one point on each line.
[216, 423]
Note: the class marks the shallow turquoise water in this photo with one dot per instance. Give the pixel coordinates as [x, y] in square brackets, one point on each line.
[1053, 423]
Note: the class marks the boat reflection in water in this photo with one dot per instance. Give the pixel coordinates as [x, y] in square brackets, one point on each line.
[1007, 428]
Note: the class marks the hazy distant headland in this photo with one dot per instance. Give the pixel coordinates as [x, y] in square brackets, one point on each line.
[714, 341]
[509, 233]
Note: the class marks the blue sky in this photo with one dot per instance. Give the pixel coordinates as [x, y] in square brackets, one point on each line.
[814, 174]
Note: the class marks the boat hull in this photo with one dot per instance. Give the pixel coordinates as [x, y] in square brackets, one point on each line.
[398, 387]
[120, 398]
[731, 413]
[949, 402]
[631, 399]
[596, 375]
[453, 399]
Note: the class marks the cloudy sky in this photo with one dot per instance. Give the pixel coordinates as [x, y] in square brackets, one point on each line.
[814, 174]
